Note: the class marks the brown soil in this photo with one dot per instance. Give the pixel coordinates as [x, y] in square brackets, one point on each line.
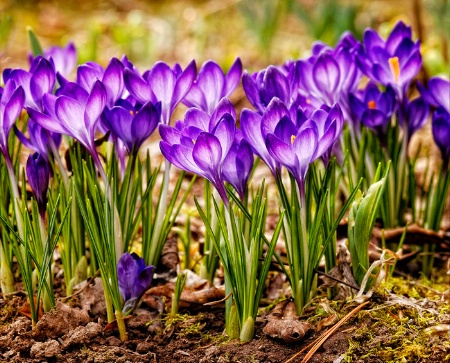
[71, 334]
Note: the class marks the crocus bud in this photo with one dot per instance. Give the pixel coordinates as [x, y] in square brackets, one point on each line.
[134, 277]
[38, 174]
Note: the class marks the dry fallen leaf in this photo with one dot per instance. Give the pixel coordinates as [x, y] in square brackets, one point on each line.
[285, 324]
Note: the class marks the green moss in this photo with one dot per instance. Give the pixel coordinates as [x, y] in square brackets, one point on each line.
[393, 330]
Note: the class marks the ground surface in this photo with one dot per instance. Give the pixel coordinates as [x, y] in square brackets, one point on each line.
[399, 327]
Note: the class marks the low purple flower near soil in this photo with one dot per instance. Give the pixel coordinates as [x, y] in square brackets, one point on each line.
[11, 104]
[200, 143]
[135, 277]
[161, 83]
[38, 175]
[394, 61]
[212, 85]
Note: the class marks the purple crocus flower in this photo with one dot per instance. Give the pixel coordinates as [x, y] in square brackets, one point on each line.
[75, 112]
[438, 96]
[161, 83]
[255, 127]
[267, 84]
[201, 143]
[441, 132]
[372, 107]
[417, 112]
[328, 76]
[111, 78]
[134, 278]
[212, 85]
[438, 93]
[11, 104]
[64, 59]
[133, 125]
[38, 81]
[40, 138]
[238, 164]
[395, 61]
[38, 174]
[297, 143]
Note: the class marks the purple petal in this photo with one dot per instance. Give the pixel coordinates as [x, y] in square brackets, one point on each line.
[326, 74]
[233, 77]
[212, 81]
[372, 39]
[305, 147]
[275, 85]
[225, 131]
[281, 151]
[207, 153]
[440, 90]
[95, 105]
[252, 92]
[398, 34]
[441, 132]
[128, 274]
[195, 98]
[417, 115]
[13, 108]
[137, 87]
[144, 123]
[113, 80]
[42, 80]
[285, 130]
[46, 121]
[197, 118]
[374, 118]
[411, 68]
[238, 165]
[169, 134]
[183, 84]
[88, 73]
[71, 115]
[144, 281]
[276, 110]
[224, 107]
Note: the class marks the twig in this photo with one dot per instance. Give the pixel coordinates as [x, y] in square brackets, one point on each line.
[219, 301]
[319, 341]
[337, 280]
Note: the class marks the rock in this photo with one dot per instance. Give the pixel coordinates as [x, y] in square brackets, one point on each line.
[47, 349]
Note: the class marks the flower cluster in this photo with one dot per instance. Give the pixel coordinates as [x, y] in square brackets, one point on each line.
[300, 111]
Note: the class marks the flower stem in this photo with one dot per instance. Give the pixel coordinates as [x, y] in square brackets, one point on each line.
[160, 214]
[121, 326]
[16, 194]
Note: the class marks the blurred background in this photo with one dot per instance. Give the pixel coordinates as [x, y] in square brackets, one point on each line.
[261, 32]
